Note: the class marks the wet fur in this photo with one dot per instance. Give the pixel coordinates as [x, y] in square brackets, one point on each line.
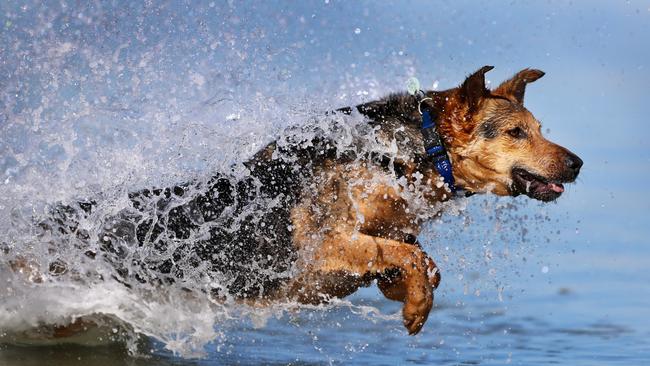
[308, 242]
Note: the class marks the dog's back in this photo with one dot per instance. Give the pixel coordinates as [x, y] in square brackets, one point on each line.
[236, 229]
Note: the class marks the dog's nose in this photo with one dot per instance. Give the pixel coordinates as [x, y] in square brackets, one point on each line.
[573, 162]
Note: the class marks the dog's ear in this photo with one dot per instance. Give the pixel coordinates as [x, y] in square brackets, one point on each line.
[473, 88]
[515, 87]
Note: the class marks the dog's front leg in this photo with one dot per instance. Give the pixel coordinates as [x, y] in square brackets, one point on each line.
[394, 284]
[404, 271]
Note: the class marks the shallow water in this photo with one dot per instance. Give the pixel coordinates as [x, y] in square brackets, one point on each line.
[101, 100]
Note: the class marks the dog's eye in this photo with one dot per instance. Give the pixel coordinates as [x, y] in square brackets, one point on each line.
[517, 133]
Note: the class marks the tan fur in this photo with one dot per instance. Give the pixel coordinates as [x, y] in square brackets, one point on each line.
[350, 231]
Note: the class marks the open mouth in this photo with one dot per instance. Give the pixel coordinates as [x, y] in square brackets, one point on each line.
[535, 186]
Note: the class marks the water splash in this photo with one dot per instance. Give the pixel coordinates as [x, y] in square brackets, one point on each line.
[101, 101]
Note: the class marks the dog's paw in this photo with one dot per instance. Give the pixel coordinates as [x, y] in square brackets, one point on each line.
[412, 284]
[417, 306]
[420, 282]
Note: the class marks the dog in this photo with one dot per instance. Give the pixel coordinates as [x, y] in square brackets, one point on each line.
[314, 218]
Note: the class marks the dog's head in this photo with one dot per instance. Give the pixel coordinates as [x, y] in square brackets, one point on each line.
[497, 145]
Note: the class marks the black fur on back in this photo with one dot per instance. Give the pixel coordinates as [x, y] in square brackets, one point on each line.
[237, 231]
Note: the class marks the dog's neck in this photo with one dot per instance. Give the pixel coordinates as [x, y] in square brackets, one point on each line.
[455, 128]
[452, 119]
[451, 112]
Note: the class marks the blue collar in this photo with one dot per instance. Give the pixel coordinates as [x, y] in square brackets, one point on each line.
[435, 148]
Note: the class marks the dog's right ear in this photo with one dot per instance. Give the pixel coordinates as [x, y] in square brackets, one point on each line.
[473, 89]
[515, 87]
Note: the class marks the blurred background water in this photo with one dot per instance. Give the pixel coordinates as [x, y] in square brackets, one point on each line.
[107, 96]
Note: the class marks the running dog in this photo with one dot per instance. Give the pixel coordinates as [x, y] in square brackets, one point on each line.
[317, 217]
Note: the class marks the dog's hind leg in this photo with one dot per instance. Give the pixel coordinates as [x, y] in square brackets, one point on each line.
[404, 272]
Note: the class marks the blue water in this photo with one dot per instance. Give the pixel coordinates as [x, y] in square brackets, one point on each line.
[528, 284]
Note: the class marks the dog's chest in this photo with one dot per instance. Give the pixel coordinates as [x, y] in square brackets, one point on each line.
[365, 198]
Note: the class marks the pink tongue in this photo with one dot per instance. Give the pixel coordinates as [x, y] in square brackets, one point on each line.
[556, 187]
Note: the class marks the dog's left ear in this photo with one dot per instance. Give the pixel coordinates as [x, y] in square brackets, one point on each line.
[515, 88]
[473, 88]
